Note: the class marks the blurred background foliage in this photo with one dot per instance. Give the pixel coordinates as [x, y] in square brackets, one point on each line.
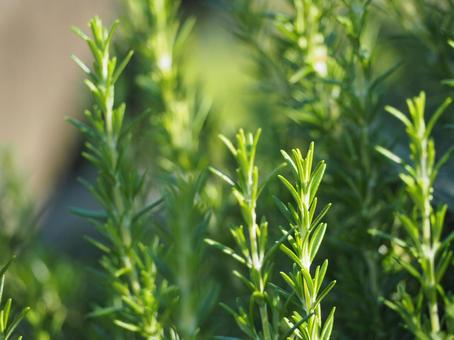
[321, 72]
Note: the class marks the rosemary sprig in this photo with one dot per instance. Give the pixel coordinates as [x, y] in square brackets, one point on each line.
[320, 60]
[267, 318]
[425, 254]
[304, 241]
[119, 188]
[178, 111]
[253, 251]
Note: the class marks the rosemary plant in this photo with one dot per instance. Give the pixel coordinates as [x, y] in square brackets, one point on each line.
[307, 233]
[367, 191]
[178, 112]
[255, 252]
[324, 62]
[127, 262]
[178, 109]
[425, 251]
[184, 227]
[291, 51]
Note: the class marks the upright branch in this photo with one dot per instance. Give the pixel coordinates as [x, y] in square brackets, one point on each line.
[252, 242]
[186, 224]
[325, 53]
[304, 235]
[429, 255]
[119, 189]
[304, 240]
[177, 112]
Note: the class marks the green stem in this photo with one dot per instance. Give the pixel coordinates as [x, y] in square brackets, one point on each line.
[265, 322]
[118, 198]
[428, 250]
[432, 298]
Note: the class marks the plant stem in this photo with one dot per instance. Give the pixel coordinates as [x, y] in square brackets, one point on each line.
[252, 242]
[257, 261]
[119, 188]
[304, 244]
[432, 298]
[429, 251]
[265, 322]
[423, 224]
